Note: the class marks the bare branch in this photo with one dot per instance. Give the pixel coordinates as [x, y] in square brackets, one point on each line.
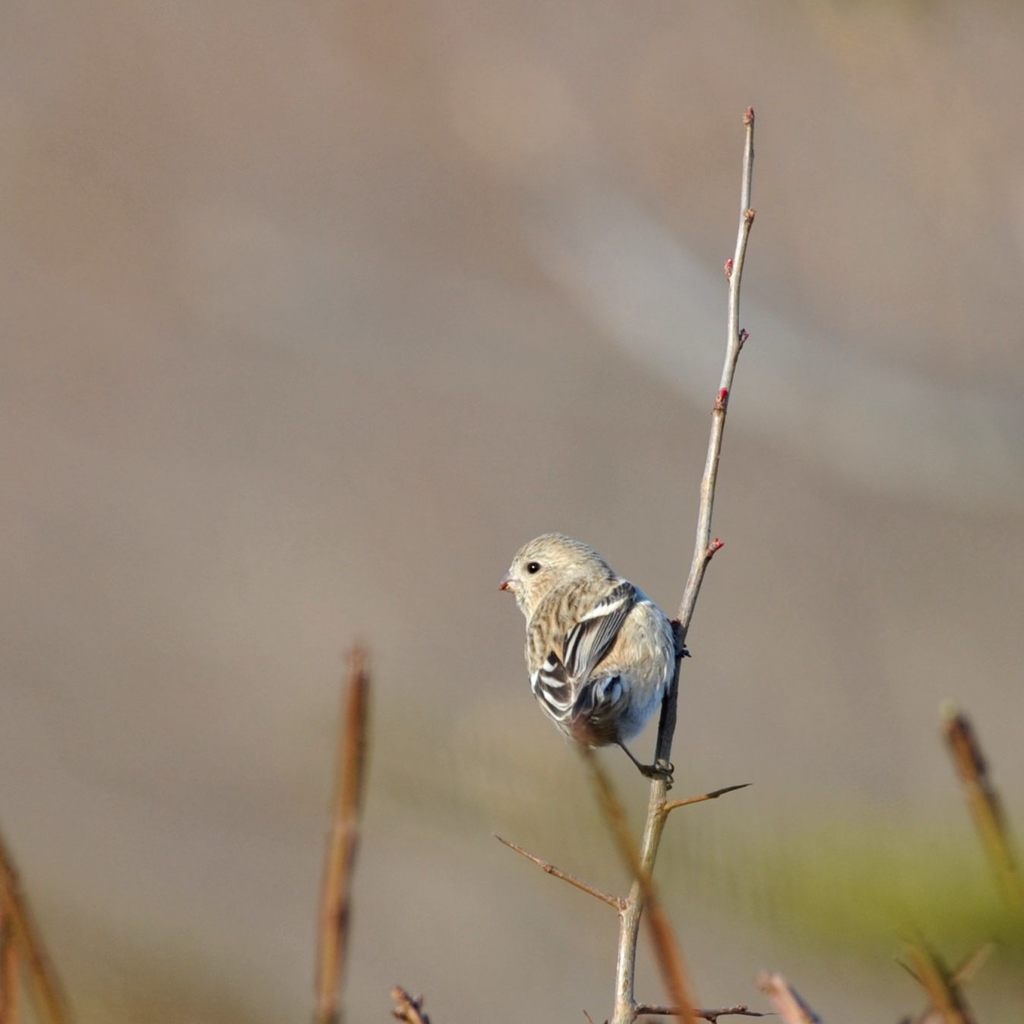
[670, 956]
[983, 800]
[713, 795]
[407, 1008]
[46, 992]
[703, 551]
[703, 547]
[616, 902]
[342, 843]
[711, 1015]
[790, 1005]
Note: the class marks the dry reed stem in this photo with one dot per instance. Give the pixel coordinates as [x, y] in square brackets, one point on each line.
[342, 843]
[704, 549]
[9, 991]
[940, 984]
[787, 1001]
[407, 1008]
[984, 803]
[670, 956]
[43, 985]
[616, 902]
[711, 1015]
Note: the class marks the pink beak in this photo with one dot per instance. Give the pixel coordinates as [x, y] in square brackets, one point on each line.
[506, 584]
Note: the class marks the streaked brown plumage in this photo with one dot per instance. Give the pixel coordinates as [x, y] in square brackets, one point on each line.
[599, 652]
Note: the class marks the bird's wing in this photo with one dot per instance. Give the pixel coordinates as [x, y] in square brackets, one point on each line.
[590, 640]
[563, 677]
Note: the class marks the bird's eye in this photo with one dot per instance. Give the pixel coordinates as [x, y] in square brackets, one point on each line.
[532, 567]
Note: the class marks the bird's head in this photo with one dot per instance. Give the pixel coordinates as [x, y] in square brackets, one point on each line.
[548, 561]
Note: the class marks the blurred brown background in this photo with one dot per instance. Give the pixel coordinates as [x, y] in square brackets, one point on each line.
[314, 312]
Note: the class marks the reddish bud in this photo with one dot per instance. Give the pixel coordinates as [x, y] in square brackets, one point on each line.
[748, 116]
[728, 268]
[722, 400]
[715, 545]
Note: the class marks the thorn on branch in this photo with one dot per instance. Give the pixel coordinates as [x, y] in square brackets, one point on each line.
[728, 268]
[713, 795]
[407, 1008]
[616, 902]
[722, 400]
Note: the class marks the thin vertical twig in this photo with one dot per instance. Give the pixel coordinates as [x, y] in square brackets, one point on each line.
[43, 984]
[625, 1008]
[342, 843]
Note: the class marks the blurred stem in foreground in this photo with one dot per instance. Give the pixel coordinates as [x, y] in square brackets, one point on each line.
[984, 803]
[8, 970]
[342, 842]
[789, 1004]
[941, 984]
[26, 945]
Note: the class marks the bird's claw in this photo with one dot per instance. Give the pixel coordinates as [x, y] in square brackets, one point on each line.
[661, 769]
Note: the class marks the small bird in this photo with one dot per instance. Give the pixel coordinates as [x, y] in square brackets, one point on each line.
[600, 652]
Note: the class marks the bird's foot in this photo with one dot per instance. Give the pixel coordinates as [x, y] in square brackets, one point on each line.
[661, 769]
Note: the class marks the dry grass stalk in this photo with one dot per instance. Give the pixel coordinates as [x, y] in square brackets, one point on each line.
[43, 985]
[947, 1002]
[407, 1008]
[985, 805]
[625, 1008]
[342, 843]
[787, 1001]
[9, 991]
[616, 902]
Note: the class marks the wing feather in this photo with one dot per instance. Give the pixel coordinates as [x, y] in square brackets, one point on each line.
[592, 637]
[562, 682]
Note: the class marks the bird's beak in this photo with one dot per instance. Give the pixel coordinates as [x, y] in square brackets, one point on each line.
[507, 584]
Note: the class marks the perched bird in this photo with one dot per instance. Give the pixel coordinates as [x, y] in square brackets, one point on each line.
[600, 653]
